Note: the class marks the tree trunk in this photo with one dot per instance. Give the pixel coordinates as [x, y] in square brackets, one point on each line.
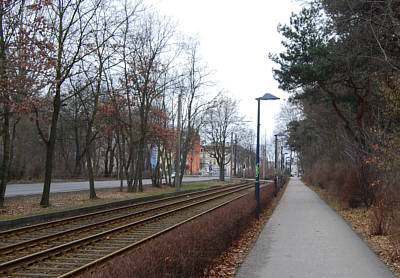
[222, 172]
[121, 162]
[168, 159]
[129, 179]
[78, 156]
[111, 160]
[50, 146]
[222, 164]
[131, 175]
[95, 159]
[89, 164]
[5, 168]
[12, 142]
[156, 175]
[235, 154]
[106, 171]
[139, 169]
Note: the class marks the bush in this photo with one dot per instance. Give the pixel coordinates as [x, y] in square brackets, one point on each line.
[188, 249]
[395, 230]
[381, 220]
[348, 183]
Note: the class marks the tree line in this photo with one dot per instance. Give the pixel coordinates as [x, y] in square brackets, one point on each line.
[90, 88]
[341, 64]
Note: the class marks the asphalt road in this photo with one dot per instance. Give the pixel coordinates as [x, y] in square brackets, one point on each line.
[305, 238]
[37, 188]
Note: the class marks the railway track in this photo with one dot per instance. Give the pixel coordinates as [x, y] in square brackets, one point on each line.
[66, 247]
[22, 234]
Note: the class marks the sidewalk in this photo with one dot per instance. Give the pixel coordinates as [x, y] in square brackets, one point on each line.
[305, 238]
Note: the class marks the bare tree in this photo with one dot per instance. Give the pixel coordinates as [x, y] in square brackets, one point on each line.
[150, 56]
[196, 100]
[288, 113]
[220, 122]
[24, 63]
[93, 69]
[245, 150]
[70, 21]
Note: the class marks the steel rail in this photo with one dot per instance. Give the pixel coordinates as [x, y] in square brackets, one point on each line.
[130, 247]
[85, 241]
[45, 225]
[5, 250]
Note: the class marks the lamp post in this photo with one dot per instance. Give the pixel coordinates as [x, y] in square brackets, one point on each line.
[282, 166]
[287, 161]
[234, 153]
[285, 165]
[231, 157]
[297, 165]
[178, 147]
[267, 96]
[276, 164]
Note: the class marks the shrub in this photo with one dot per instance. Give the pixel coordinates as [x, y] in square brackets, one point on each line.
[188, 249]
[350, 190]
[395, 230]
[352, 184]
[381, 220]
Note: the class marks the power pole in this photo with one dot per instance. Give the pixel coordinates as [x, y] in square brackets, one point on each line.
[282, 165]
[231, 176]
[178, 147]
[276, 167]
[265, 157]
[234, 170]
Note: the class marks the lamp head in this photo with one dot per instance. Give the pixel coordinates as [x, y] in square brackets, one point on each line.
[280, 134]
[267, 96]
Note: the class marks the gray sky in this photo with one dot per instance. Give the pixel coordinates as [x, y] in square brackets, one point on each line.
[235, 39]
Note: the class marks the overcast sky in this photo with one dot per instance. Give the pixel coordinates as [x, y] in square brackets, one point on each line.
[235, 39]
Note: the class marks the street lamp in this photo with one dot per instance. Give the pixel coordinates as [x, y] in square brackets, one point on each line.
[267, 96]
[178, 147]
[276, 164]
[283, 159]
[287, 163]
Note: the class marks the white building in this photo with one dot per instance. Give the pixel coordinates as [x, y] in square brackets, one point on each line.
[209, 165]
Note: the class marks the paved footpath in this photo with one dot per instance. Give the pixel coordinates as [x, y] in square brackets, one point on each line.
[305, 238]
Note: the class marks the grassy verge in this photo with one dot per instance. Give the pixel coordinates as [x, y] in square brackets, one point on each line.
[20, 206]
[361, 221]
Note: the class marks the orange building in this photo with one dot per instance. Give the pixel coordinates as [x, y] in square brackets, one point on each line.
[193, 158]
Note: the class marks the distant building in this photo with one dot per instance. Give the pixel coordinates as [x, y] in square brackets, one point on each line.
[200, 162]
[209, 165]
[193, 158]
